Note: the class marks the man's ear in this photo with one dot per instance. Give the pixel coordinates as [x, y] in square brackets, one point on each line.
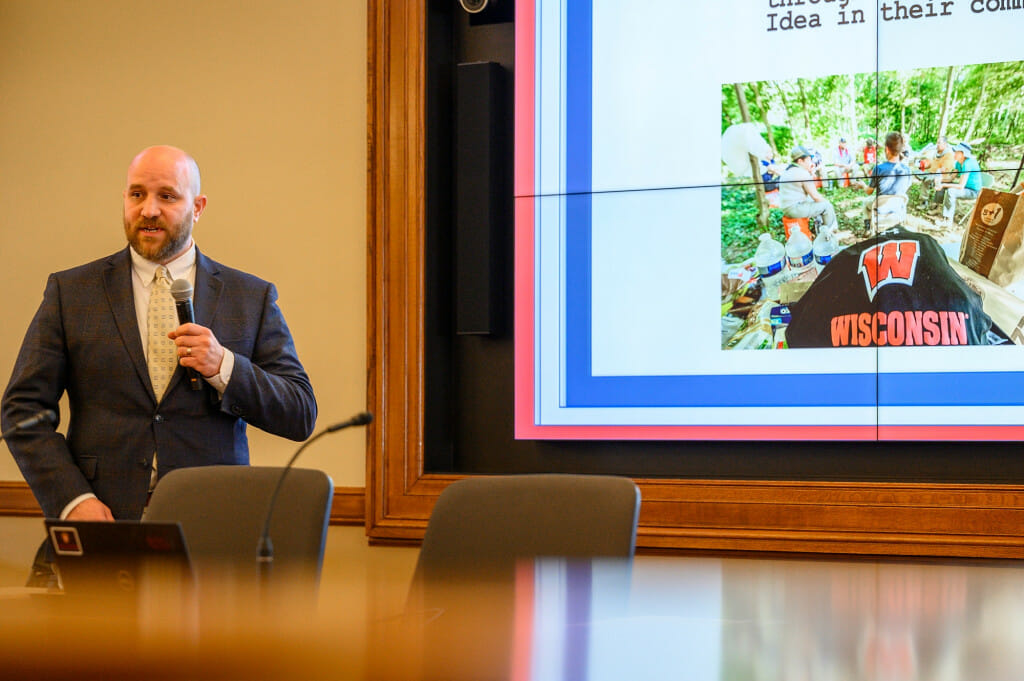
[198, 206]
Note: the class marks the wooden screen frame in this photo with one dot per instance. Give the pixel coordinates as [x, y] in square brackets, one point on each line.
[868, 518]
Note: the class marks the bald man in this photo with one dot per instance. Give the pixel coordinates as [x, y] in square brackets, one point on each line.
[91, 339]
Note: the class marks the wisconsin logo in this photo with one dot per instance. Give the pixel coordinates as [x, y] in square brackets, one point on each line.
[890, 262]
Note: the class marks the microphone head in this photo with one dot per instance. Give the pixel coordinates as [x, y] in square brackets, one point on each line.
[361, 419]
[49, 416]
[181, 290]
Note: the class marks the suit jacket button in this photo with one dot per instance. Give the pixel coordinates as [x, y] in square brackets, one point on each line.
[158, 418]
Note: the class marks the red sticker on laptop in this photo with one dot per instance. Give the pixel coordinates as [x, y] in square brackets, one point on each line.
[66, 541]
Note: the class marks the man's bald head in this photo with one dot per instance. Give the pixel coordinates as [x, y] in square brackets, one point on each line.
[162, 202]
[167, 155]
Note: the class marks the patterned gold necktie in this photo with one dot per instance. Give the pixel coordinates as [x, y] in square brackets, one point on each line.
[161, 320]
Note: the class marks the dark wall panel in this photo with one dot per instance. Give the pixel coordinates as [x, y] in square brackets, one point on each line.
[481, 213]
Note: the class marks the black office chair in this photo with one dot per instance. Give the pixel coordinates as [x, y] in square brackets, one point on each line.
[222, 510]
[487, 523]
[480, 532]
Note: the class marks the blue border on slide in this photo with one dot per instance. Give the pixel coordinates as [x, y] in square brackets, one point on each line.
[803, 390]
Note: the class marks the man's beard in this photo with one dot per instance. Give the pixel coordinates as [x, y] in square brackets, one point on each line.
[177, 237]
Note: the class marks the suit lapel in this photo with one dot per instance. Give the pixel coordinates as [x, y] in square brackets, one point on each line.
[117, 281]
[207, 290]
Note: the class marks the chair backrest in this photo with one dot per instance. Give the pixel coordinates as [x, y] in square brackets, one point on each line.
[487, 523]
[463, 594]
[222, 510]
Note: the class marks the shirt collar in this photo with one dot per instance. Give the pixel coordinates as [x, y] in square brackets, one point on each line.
[179, 268]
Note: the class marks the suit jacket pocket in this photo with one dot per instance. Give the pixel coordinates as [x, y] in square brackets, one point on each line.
[87, 464]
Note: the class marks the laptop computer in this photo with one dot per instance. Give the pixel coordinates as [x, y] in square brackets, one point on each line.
[126, 566]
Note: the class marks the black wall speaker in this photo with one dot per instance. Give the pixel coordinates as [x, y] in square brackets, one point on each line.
[482, 200]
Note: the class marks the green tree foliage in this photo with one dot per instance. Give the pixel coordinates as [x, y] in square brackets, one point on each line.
[986, 108]
[988, 101]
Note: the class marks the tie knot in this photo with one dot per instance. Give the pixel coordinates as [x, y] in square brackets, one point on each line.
[162, 276]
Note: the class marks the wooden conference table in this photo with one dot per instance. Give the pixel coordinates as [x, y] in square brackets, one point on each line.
[664, 618]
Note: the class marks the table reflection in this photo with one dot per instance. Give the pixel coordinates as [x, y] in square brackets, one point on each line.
[769, 620]
[657, 618]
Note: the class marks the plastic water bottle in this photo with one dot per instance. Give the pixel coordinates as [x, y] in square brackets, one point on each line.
[799, 251]
[825, 246]
[770, 259]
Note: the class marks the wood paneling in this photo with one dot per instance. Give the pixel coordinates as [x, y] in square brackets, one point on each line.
[834, 517]
[399, 499]
[16, 500]
[347, 508]
[795, 516]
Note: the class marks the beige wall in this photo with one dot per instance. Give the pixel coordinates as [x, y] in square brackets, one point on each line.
[269, 97]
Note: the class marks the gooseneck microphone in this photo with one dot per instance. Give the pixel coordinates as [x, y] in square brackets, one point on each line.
[265, 550]
[48, 415]
[181, 291]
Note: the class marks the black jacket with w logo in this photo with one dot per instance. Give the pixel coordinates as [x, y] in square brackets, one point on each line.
[893, 289]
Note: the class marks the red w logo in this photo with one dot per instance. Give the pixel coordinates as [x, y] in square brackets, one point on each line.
[890, 262]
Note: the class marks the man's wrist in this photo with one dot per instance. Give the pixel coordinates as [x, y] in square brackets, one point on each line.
[219, 380]
[74, 503]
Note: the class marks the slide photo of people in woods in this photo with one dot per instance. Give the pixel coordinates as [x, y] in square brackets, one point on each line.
[874, 209]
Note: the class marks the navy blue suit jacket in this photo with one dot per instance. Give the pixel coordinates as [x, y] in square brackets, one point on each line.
[85, 340]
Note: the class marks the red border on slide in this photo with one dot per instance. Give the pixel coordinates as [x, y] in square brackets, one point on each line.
[525, 428]
[950, 433]
[524, 222]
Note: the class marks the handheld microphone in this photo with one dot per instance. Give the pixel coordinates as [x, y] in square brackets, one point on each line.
[47, 415]
[265, 549]
[181, 291]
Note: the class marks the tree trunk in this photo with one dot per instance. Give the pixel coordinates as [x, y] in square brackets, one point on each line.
[803, 105]
[785, 105]
[764, 117]
[971, 124]
[905, 89]
[946, 101]
[851, 108]
[926, 121]
[755, 163]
